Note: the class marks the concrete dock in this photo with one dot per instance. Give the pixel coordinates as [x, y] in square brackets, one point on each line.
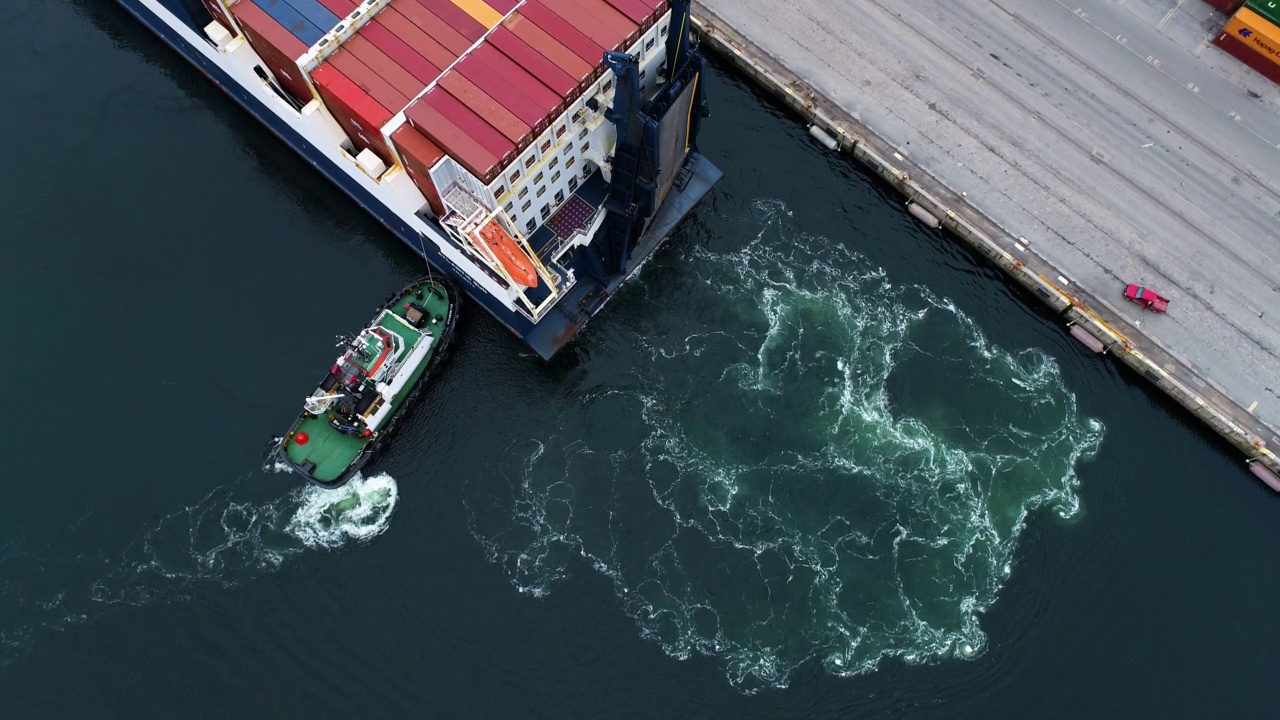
[1080, 147]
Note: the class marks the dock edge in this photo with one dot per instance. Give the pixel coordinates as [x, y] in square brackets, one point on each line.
[1079, 308]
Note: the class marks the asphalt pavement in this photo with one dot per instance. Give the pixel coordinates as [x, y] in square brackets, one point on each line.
[1110, 135]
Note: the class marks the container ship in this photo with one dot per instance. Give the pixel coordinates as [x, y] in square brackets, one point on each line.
[537, 151]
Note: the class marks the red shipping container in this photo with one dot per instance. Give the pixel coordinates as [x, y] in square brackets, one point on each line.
[635, 10]
[341, 8]
[469, 153]
[470, 123]
[413, 36]
[277, 47]
[368, 80]
[401, 79]
[546, 99]
[501, 89]
[434, 27]
[584, 47]
[550, 48]
[219, 13]
[535, 62]
[360, 116]
[502, 119]
[587, 19]
[1242, 51]
[451, 16]
[419, 155]
[503, 7]
[400, 51]
[1226, 6]
[611, 17]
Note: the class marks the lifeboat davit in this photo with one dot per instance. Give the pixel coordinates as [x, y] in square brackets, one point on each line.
[508, 254]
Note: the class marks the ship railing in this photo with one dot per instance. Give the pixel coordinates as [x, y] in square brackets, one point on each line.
[553, 251]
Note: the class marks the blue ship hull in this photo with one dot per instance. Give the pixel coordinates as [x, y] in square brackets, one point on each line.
[559, 325]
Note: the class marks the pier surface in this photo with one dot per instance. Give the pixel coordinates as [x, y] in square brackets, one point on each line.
[1098, 143]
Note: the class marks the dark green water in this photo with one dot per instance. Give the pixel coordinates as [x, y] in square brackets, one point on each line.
[815, 463]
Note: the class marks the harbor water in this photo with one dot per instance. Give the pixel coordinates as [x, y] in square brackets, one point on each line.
[815, 461]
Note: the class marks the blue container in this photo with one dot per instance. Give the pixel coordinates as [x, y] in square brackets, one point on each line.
[292, 20]
[315, 13]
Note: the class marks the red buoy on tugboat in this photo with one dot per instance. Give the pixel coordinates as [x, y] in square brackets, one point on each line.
[301, 438]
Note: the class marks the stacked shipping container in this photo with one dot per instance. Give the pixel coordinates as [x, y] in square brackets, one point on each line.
[522, 65]
[1252, 36]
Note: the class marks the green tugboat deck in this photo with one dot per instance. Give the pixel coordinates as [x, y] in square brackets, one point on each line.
[346, 417]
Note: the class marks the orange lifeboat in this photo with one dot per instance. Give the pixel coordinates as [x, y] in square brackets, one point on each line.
[508, 253]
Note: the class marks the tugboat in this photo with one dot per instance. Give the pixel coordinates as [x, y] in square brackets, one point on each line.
[351, 415]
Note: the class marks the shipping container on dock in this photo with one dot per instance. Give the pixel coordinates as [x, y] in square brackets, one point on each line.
[292, 20]
[1241, 51]
[276, 46]
[220, 13]
[419, 155]
[368, 80]
[1254, 31]
[583, 46]
[1269, 9]
[1226, 7]
[360, 116]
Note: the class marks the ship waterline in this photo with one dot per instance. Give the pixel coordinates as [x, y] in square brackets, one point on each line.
[539, 182]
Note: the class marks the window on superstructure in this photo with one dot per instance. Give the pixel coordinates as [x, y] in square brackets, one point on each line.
[607, 86]
[642, 74]
[508, 208]
[569, 163]
[573, 184]
[537, 179]
[545, 146]
[561, 129]
[585, 147]
[648, 44]
[513, 177]
[583, 133]
[546, 211]
[554, 162]
[525, 207]
[663, 32]
[529, 161]
[554, 178]
[541, 191]
[559, 197]
[523, 191]
[529, 226]
[577, 117]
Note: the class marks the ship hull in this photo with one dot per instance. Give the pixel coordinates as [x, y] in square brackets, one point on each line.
[177, 23]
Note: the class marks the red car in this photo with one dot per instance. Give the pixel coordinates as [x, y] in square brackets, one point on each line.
[1147, 298]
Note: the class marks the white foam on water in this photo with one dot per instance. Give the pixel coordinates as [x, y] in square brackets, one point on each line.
[360, 510]
[220, 541]
[797, 509]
